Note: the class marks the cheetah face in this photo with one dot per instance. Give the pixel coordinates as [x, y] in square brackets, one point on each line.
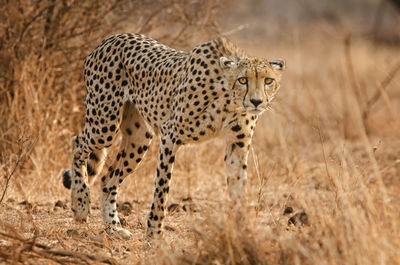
[254, 81]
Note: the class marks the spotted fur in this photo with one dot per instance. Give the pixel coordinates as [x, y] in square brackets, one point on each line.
[139, 88]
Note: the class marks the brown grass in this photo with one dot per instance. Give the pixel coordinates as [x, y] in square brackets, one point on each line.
[323, 182]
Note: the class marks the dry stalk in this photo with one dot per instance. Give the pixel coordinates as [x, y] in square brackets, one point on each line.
[350, 67]
[21, 159]
[262, 180]
[381, 91]
[321, 139]
[361, 98]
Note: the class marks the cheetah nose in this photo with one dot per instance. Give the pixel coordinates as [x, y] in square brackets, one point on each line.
[256, 102]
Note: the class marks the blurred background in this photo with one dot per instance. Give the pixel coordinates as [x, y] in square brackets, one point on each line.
[329, 150]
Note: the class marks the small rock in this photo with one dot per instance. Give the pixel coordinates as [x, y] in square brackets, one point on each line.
[292, 220]
[299, 219]
[60, 204]
[27, 204]
[97, 238]
[174, 207]
[190, 207]
[122, 221]
[125, 208]
[288, 210]
[304, 218]
[72, 233]
[169, 228]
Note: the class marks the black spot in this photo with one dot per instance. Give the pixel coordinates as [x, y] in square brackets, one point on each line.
[236, 128]
[288, 210]
[240, 136]
[161, 182]
[240, 144]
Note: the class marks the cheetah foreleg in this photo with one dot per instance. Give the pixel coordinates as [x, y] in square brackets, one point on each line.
[239, 139]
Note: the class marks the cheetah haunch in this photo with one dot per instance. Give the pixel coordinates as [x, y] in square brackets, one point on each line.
[138, 88]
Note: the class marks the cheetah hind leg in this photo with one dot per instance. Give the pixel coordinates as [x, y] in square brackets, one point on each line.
[135, 140]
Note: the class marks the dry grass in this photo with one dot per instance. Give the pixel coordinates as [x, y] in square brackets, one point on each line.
[323, 182]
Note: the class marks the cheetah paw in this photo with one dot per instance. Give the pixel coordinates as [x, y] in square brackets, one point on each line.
[80, 213]
[119, 232]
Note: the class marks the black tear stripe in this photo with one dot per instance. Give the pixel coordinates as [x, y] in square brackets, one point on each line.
[245, 94]
[234, 83]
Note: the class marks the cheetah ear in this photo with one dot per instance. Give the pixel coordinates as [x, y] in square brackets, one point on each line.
[278, 64]
[227, 63]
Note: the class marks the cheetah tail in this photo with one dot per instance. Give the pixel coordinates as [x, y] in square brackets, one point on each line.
[67, 176]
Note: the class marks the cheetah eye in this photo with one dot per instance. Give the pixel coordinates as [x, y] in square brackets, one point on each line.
[242, 80]
[268, 81]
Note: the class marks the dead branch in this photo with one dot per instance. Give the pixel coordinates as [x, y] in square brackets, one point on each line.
[380, 91]
[371, 102]
[20, 161]
[44, 251]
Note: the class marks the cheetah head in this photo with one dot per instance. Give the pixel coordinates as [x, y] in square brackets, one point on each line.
[254, 81]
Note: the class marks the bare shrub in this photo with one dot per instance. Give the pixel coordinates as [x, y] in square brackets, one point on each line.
[42, 48]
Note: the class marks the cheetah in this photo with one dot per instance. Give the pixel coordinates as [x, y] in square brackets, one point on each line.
[138, 88]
